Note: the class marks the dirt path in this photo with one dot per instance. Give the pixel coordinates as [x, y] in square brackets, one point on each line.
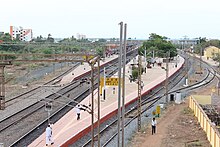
[162, 126]
[175, 128]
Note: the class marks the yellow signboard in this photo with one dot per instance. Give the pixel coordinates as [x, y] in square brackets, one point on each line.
[213, 89]
[158, 110]
[109, 81]
[88, 57]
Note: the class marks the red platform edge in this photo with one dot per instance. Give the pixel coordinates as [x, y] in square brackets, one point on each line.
[73, 139]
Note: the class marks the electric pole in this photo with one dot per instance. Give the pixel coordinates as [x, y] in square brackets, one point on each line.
[92, 109]
[104, 85]
[145, 61]
[167, 74]
[193, 65]
[186, 69]
[2, 88]
[123, 87]
[98, 103]
[119, 82]
[200, 63]
[139, 92]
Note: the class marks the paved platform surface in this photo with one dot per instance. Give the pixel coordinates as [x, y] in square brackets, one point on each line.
[82, 69]
[68, 127]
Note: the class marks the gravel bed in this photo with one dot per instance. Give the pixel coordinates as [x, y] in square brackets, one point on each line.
[39, 73]
[23, 102]
[24, 126]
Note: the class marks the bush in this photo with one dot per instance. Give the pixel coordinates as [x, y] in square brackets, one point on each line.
[47, 51]
[135, 73]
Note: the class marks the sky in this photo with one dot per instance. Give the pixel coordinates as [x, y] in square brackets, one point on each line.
[100, 18]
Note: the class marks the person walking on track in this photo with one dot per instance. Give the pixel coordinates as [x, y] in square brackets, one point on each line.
[49, 139]
[153, 123]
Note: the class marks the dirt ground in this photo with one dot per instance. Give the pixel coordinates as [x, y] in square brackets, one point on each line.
[177, 127]
[13, 88]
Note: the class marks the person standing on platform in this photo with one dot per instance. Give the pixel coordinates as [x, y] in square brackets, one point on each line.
[78, 112]
[153, 123]
[49, 135]
[142, 85]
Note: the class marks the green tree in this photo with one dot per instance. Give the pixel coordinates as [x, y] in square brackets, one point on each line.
[50, 39]
[202, 43]
[102, 40]
[216, 58]
[39, 39]
[135, 72]
[159, 44]
[6, 37]
[100, 51]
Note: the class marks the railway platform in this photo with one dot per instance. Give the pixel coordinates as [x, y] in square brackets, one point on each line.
[83, 69]
[68, 129]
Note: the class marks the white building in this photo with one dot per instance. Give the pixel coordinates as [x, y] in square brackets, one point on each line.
[80, 36]
[21, 34]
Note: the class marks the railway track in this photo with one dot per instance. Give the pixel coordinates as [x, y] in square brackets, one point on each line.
[35, 114]
[149, 101]
[38, 89]
[34, 118]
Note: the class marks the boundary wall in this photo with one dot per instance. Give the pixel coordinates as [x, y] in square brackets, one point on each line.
[211, 132]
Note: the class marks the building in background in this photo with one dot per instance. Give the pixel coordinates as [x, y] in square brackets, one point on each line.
[185, 41]
[211, 51]
[80, 36]
[21, 34]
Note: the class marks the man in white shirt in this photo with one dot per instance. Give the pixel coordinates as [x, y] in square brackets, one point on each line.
[78, 112]
[49, 135]
[153, 123]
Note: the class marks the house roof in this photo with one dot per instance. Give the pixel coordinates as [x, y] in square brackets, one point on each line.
[212, 47]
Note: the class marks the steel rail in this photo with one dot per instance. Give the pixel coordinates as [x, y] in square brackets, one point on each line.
[154, 100]
[87, 74]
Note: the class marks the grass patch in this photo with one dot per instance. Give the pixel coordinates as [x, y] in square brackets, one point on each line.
[193, 144]
[187, 110]
[17, 63]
